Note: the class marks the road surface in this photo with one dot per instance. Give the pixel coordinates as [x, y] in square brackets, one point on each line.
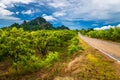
[111, 49]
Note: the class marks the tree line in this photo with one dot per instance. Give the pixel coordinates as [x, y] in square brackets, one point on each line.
[109, 34]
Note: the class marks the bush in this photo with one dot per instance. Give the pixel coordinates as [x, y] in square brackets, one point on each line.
[27, 64]
[73, 48]
[50, 59]
[75, 41]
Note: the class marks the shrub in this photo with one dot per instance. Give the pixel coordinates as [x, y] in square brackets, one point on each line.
[75, 41]
[27, 64]
[50, 59]
[72, 48]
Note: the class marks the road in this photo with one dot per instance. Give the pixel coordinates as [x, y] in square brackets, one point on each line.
[111, 49]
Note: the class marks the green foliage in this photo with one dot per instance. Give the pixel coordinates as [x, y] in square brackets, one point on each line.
[27, 64]
[50, 59]
[110, 34]
[24, 48]
[84, 31]
[75, 41]
[73, 47]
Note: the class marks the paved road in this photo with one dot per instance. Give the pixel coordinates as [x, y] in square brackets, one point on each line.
[111, 49]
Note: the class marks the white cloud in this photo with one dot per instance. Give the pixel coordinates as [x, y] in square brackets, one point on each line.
[106, 27]
[49, 17]
[8, 2]
[118, 25]
[17, 12]
[7, 14]
[59, 14]
[3, 5]
[9, 18]
[58, 3]
[28, 12]
[96, 10]
[31, 11]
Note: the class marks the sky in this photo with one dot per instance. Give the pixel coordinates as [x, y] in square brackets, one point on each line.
[75, 14]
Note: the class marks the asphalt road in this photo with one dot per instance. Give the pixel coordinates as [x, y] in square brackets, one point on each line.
[109, 48]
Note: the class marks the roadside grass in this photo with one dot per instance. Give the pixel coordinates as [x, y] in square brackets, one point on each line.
[98, 66]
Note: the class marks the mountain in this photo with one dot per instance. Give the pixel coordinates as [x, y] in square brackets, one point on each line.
[35, 24]
[63, 27]
[38, 23]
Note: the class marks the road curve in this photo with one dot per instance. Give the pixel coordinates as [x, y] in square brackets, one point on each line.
[111, 49]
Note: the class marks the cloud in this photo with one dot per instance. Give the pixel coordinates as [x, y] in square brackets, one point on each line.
[106, 27]
[28, 12]
[59, 14]
[9, 18]
[17, 12]
[107, 11]
[7, 14]
[8, 2]
[3, 5]
[118, 25]
[31, 11]
[57, 3]
[49, 17]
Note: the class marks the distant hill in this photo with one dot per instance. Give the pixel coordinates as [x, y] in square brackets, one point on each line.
[63, 27]
[38, 23]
